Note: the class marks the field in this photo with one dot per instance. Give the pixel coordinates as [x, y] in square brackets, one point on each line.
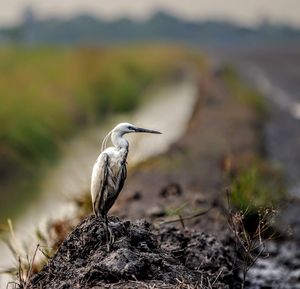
[215, 179]
[50, 94]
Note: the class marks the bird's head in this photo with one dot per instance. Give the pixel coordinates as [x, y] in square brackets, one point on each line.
[118, 131]
[124, 127]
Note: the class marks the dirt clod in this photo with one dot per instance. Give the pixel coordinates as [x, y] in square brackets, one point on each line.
[140, 256]
[173, 189]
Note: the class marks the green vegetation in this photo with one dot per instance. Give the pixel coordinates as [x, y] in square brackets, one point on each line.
[257, 186]
[46, 94]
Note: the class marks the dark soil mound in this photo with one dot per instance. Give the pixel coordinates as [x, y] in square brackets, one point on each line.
[139, 257]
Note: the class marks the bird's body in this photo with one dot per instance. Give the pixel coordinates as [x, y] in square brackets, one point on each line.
[109, 172]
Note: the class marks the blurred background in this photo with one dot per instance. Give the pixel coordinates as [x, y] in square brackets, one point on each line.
[70, 70]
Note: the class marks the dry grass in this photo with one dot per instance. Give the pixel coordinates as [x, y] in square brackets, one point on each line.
[26, 265]
[250, 240]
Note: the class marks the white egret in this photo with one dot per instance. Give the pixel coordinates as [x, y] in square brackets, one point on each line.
[109, 171]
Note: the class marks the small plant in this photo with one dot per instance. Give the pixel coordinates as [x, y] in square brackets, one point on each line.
[27, 263]
[250, 241]
[254, 183]
[255, 187]
[26, 266]
[177, 211]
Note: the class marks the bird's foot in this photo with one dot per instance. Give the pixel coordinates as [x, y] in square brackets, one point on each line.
[107, 234]
[109, 240]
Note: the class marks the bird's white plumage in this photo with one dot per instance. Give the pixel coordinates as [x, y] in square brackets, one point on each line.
[109, 172]
[98, 176]
[108, 177]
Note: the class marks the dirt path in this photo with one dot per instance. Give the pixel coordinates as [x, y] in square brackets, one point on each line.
[274, 72]
[188, 178]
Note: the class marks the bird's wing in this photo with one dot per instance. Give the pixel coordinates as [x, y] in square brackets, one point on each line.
[98, 181]
[116, 183]
[122, 177]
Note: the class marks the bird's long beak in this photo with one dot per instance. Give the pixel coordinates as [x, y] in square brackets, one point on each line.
[139, 129]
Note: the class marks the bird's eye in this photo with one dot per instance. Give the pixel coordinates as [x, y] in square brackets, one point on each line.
[130, 128]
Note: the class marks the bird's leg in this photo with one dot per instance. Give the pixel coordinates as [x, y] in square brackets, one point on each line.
[111, 236]
[107, 233]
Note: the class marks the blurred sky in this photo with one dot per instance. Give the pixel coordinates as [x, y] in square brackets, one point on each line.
[246, 12]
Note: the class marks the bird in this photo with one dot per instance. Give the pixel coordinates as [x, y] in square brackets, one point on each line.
[109, 171]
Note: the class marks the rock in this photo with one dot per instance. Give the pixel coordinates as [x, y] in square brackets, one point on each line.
[280, 270]
[173, 189]
[140, 254]
[156, 211]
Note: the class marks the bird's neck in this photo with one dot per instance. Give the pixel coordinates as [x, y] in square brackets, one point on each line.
[119, 141]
